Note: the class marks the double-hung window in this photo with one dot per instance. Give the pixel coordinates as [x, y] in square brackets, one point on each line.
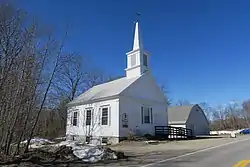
[124, 120]
[146, 115]
[88, 116]
[75, 118]
[105, 115]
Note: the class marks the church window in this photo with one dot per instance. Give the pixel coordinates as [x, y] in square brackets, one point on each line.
[105, 116]
[124, 120]
[147, 115]
[75, 118]
[88, 116]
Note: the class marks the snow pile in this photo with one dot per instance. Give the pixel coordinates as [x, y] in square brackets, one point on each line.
[84, 152]
[89, 153]
[38, 142]
[152, 142]
[93, 154]
[225, 132]
[233, 135]
[60, 138]
[68, 143]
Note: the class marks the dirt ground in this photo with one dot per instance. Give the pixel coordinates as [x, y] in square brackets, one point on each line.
[142, 153]
[142, 147]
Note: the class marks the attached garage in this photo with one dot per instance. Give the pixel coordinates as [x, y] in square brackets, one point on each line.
[191, 117]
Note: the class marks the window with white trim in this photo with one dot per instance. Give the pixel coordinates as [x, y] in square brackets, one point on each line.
[105, 115]
[88, 116]
[146, 115]
[75, 118]
[124, 120]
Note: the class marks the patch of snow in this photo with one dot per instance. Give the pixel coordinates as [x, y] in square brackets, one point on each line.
[36, 146]
[61, 138]
[67, 143]
[72, 143]
[152, 142]
[88, 153]
[233, 135]
[37, 142]
[224, 132]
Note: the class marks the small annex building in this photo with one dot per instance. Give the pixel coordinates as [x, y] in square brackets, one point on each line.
[191, 117]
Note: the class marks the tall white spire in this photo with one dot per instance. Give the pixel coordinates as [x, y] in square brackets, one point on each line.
[137, 38]
[137, 59]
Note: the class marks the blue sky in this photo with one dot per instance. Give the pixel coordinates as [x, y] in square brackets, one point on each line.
[200, 49]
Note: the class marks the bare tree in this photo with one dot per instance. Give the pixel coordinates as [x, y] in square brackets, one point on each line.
[25, 58]
[183, 103]
[166, 92]
[228, 117]
[218, 118]
[207, 110]
[31, 105]
[51, 78]
[17, 69]
[70, 77]
[246, 114]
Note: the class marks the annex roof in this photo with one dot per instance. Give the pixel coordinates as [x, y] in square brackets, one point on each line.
[179, 114]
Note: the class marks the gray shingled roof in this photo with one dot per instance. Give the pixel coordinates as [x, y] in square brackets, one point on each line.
[105, 90]
[179, 114]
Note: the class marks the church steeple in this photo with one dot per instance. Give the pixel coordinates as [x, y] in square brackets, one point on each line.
[137, 38]
[137, 59]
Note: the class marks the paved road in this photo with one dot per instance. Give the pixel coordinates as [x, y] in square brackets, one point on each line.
[225, 156]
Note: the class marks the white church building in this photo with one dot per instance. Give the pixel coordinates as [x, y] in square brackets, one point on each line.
[110, 112]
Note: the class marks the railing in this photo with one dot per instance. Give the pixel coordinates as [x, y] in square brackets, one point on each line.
[169, 132]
